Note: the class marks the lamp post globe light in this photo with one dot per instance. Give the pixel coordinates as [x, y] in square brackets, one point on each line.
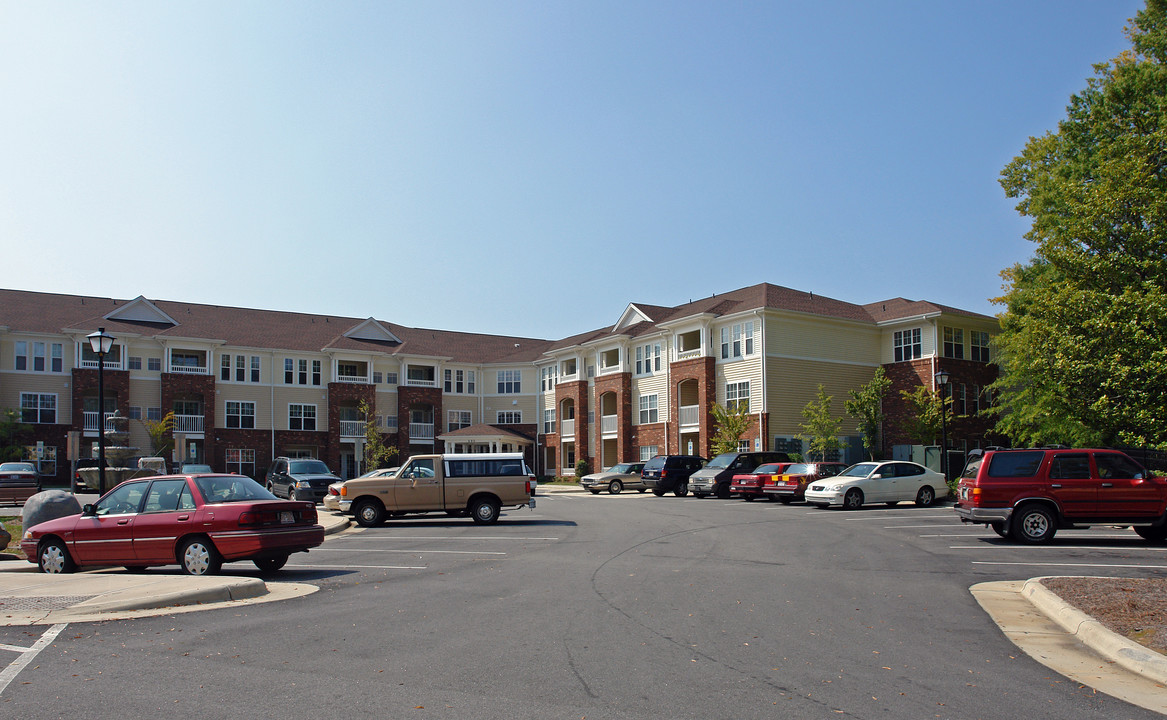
[100, 344]
[941, 378]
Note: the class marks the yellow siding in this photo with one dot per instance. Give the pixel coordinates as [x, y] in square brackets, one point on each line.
[305, 396]
[794, 383]
[651, 385]
[820, 339]
[258, 394]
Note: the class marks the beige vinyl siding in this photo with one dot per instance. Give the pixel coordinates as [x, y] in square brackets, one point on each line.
[144, 394]
[143, 351]
[525, 405]
[462, 403]
[749, 370]
[927, 340]
[34, 382]
[285, 394]
[651, 385]
[791, 384]
[822, 340]
[255, 393]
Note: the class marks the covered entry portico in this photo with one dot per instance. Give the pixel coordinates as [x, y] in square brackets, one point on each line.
[483, 438]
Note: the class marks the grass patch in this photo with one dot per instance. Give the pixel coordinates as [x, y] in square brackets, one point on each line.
[14, 527]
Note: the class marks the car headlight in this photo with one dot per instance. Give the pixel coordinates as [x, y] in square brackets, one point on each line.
[303, 483]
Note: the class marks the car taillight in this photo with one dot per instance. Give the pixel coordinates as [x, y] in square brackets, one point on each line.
[528, 484]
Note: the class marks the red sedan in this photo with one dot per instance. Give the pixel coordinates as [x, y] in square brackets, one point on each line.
[196, 521]
[749, 485]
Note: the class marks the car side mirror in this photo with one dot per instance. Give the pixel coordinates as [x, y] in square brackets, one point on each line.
[88, 509]
[877, 476]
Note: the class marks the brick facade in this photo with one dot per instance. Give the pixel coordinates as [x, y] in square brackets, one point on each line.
[700, 370]
[964, 430]
[182, 386]
[620, 384]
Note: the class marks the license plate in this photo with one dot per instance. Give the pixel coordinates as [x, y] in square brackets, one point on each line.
[287, 517]
[531, 503]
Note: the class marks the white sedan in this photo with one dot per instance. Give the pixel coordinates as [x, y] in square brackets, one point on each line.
[875, 482]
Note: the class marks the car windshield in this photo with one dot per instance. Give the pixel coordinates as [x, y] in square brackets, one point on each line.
[17, 467]
[799, 469]
[859, 470]
[303, 467]
[231, 488]
[722, 460]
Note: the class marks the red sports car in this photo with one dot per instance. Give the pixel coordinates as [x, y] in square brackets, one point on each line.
[749, 485]
[196, 521]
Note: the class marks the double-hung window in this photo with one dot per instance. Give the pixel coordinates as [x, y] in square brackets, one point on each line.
[549, 420]
[908, 345]
[648, 409]
[979, 344]
[737, 340]
[42, 357]
[954, 343]
[301, 417]
[39, 408]
[648, 359]
[509, 382]
[457, 419]
[510, 417]
[240, 415]
[737, 395]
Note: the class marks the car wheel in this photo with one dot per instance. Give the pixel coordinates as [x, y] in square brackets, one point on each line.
[700, 496]
[615, 487]
[925, 496]
[853, 500]
[682, 489]
[1033, 524]
[268, 565]
[54, 558]
[785, 500]
[749, 498]
[198, 556]
[1152, 534]
[641, 489]
[369, 513]
[594, 492]
[1000, 528]
[271, 488]
[292, 494]
[484, 512]
[658, 492]
[723, 491]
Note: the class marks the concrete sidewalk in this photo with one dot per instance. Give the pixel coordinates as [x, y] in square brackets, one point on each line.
[29, 597]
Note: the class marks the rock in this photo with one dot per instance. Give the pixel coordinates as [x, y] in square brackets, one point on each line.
[49, 505]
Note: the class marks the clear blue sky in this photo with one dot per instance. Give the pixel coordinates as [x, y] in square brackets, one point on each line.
[526, 168]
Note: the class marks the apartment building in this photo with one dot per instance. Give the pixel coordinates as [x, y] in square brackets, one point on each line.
[248, 385]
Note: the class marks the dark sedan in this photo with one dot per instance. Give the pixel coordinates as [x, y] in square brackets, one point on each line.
[197, 522]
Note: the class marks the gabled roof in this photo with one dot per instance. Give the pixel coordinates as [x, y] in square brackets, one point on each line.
[485, 431]
[372, 330]
[140, 310]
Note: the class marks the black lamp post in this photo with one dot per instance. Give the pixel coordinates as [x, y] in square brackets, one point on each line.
[941, 379]
[100, 344]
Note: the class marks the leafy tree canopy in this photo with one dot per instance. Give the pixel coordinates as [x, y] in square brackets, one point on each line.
[821, 429]
[730, 426]
[866, 406]
[1082, 350]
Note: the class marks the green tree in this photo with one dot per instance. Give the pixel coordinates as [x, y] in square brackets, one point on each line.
[729, 426]
[161, 434]
[1083, 346]
[377, 453]
[12, 436]
[866, 406]
[821, 429]
[923, 424]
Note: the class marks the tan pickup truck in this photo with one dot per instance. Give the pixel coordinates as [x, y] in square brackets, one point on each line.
[478, 485]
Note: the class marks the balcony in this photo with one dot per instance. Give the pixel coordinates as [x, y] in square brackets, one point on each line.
[352, 428]
[688, 354]
[567, 428]
[356, 379]
[690, 415]
[89, 420]
[418, 382]
[187, 424]
[421, 432]
[114, 364]
[189, 369]
[609, 424]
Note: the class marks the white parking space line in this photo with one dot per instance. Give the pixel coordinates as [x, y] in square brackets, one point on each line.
[323, 566]
[1075, 565]
[911, 527]
[1061, 547]
[443, 537]
[27, 654]
[417, 551]
[881, 518]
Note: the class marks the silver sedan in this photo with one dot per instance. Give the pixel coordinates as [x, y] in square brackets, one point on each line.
[615, 479]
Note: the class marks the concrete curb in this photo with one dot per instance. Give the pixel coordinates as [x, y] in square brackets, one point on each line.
[132, 598]
[1095, 635]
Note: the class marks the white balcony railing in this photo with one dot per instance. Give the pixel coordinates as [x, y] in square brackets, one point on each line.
[352, 428]
[189, 369]
[414, 382]
[567, 428]
[608, 424]
[89, 418]
[686, 354]
[188, 423]
[352, 379]
[690, 415]
[421, 432]
[109, 364]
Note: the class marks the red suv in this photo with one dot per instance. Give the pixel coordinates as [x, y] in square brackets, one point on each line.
[1029, 494]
